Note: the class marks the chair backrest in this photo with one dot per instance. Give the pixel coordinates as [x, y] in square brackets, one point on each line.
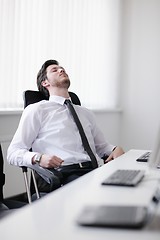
[31, 96]
[2, 175]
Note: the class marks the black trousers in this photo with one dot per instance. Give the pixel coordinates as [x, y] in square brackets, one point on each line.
[63, 175]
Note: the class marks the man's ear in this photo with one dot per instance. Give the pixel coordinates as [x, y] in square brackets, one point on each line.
[45, 83]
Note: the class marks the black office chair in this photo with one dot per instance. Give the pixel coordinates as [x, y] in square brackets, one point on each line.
[31, 97]
[7, 206]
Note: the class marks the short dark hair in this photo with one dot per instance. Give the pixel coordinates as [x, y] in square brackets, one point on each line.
[42, 75]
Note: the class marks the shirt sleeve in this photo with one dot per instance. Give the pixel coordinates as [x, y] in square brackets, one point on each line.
[102, 146]
[18, 152]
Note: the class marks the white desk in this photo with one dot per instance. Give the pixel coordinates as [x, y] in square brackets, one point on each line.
[54, 216]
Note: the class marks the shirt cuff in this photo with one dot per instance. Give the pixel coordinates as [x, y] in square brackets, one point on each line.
[106, 155]
[27, 158]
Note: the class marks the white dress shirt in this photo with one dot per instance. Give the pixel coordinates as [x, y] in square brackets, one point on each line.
[48, 127]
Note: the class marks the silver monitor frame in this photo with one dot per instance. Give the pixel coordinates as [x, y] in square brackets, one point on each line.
[154, 160]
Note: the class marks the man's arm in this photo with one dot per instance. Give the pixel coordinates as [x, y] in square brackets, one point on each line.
[19, 149]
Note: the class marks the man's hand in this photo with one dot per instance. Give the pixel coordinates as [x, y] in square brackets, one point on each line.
[118, 151]
[50, 161]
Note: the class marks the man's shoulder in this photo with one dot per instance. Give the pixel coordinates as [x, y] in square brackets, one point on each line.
[36, 106]
[84, 110]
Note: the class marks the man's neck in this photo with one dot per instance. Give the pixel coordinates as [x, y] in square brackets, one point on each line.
[59, 92]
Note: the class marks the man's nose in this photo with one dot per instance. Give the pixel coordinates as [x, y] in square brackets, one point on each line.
[61, 70]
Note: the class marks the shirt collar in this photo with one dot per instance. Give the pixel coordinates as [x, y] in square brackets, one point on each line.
[57, 99]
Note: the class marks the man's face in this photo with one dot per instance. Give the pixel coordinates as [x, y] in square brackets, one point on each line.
[57, 76]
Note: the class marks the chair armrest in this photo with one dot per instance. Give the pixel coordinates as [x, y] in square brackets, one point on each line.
[48, 175]
[45, 173]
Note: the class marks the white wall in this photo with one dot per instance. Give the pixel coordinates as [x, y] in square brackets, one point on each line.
[140, 83]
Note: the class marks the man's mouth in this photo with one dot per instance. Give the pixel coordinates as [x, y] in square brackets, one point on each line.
[64, 75]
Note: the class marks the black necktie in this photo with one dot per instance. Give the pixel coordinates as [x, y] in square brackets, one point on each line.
[82, 133]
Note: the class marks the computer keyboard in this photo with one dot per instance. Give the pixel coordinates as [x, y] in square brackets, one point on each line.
[124, 177]
[144, 157]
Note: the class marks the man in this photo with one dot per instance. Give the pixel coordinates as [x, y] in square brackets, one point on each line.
[49, 129]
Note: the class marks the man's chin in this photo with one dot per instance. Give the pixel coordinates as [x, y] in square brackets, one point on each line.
[65, 83]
